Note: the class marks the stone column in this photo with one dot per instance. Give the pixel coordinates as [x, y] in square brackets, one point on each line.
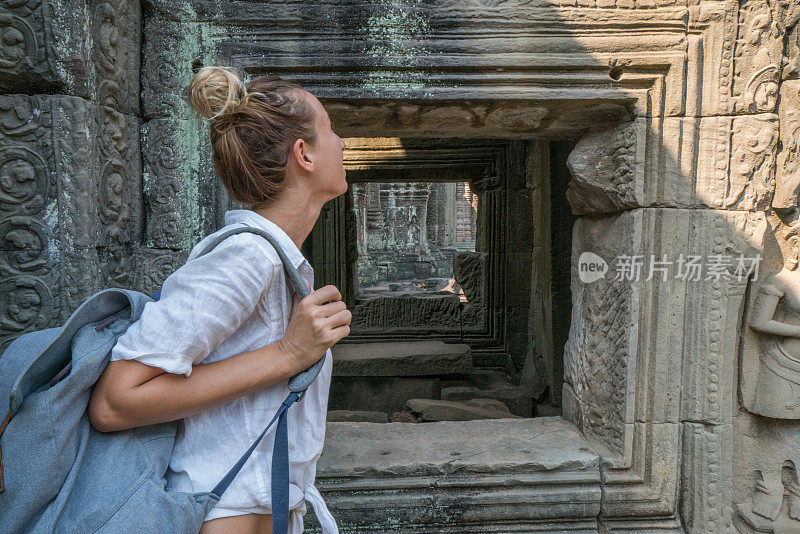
[70, 177]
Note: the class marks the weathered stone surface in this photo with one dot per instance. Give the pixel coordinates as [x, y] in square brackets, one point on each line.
[406, 416]
[765, 482]
[170, 51]
[536, 472]
[387, 394]
[356, 416]
[736, 161]
[516, 398]
[73, 47]
[519, 445]
[787, 181]
[611, 377]
[178, 184]
[54, 150]
[441, 410]
[603, 167]
[409, 358]
[706, 484]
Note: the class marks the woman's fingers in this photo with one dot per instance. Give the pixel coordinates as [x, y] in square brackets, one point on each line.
[327, 310]
[339, 319]
[323, 295]
[340, 331]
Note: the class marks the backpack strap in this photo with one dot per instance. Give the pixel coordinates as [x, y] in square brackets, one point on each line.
[299, 382]
[297, 387]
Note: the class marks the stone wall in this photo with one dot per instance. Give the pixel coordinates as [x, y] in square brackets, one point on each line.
[70, 159]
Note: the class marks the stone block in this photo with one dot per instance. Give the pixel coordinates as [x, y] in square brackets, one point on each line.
[441, 410]
[73, 47]
[643, 487]
[71, 198]
[356, 416]
[787, 180]
[385, 394]
[537, 472]
[706, 477]
[171, 51]
[58, 148]
[635, 351]
[603, 168]
[516, 398]
[180, 187]
[402, 358]
[736, 161]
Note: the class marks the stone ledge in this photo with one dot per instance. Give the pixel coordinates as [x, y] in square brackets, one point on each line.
[532, 475]
[403, 358]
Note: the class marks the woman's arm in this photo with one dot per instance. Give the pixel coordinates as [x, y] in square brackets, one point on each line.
[130, 393]
[762, 320]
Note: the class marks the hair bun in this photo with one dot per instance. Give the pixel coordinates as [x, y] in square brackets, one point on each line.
[215, 90]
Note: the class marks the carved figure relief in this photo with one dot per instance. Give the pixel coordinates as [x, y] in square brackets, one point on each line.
[775, 507]
[777, 319]
[758, 54]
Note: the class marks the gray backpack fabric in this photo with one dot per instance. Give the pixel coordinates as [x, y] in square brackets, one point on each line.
[57, 473]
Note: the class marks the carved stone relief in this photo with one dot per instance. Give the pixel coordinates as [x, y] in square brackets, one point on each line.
[88, 50]
[777, 392]
[736, 164]
[787, 185]
[54, 150]
[757, 55]
[603, 167]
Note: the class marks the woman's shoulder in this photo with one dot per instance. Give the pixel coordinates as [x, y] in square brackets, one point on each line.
[243, 245]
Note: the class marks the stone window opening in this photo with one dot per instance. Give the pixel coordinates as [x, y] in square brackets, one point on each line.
[440, 248]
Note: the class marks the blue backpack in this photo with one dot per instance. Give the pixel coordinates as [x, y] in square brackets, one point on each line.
[58, 474]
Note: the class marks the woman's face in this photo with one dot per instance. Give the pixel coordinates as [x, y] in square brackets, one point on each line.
[327, 153]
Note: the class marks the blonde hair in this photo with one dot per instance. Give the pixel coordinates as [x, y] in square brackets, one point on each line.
[253, 127]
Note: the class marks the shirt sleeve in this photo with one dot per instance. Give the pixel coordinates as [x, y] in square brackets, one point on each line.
[201, 304]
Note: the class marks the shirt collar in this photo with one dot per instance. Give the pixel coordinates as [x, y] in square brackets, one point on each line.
[257, 220]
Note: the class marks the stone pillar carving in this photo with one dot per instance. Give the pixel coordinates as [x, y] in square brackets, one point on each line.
[70, 177]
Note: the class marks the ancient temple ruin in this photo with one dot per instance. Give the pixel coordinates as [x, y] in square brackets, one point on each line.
[570, 241]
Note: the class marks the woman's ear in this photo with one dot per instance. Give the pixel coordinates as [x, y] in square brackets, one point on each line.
[300, 154]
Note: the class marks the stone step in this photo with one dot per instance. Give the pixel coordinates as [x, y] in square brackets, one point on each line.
[392, 477]
[402, 358]
[516, 398]
[357, 416]
[440, 410]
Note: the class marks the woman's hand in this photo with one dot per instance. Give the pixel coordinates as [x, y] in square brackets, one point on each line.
[315, 326]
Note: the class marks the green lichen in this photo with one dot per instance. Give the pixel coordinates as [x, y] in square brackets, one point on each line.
[395, 31]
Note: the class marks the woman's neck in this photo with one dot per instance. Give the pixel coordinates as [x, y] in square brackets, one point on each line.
[294, 213]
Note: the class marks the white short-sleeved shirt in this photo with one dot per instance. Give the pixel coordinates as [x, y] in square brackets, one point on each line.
[234, 299]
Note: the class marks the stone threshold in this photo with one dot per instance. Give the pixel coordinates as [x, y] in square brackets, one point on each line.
[501, 475]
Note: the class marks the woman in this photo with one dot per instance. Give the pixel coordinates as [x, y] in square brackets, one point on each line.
[232, 310]
[778, 386]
